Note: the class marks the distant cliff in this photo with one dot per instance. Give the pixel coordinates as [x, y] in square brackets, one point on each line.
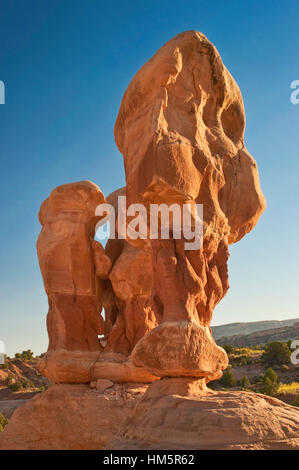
[284, 333]
[232, 329]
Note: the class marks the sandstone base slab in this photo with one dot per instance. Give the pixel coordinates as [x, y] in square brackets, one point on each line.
[174, 413]
[70, 417]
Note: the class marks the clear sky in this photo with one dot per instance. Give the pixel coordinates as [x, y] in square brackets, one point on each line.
[66, 65]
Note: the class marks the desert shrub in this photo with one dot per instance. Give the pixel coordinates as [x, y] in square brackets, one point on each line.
[296, 401]
[228, 378]
[16, 386]
[270, 383]
[257, 379]
[249, 351]
[245, 382]
[228, 348]
[271, 374]
[25, 355]
[27, 384]
[276, 353]
[9, 380]
[269, 388]
[3, 422]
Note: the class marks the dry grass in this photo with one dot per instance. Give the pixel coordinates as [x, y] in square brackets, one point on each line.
[289, 388]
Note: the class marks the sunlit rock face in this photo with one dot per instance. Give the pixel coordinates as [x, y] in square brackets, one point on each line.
[70, 259]
[180, 129]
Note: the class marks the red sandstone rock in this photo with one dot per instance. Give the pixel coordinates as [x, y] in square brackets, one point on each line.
[181, 413]
[180, 129]
[103, 384]
[126, 295]
[63, 366]
[131, 279]
[69, 260]
[70, 417]
[176, 413]
[180, 349]
[121, 372]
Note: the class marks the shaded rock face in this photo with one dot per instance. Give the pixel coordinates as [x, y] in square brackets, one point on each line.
[131, 282]
[180, 129]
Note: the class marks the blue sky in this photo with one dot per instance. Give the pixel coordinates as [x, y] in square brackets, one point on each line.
[66, 66]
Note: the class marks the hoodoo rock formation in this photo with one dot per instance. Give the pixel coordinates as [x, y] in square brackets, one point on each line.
[180, 129]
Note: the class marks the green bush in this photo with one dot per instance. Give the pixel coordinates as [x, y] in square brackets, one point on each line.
[9, 380]
[25, 355]
[269, 388]
[27, 384]
[3, 422]
[245, 382]
[228, 348]
[16, 386]
[276, 353]
[270, 383]
[271, 374]
[228, 378]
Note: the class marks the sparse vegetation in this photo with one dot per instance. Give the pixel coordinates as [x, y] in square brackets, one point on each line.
[228, 378]
[271, 383]
[228, 348]
[296, 401]
[3, 422]
[25, 355]
[245, 382]
[263, 369]
[276, 353]
[289, 388]
[244, 356]
[20, 374]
